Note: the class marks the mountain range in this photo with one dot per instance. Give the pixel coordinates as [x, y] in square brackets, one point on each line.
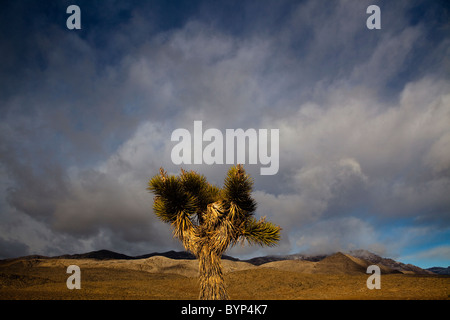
[357, 259]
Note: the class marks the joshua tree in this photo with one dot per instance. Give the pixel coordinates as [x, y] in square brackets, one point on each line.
[207, 220]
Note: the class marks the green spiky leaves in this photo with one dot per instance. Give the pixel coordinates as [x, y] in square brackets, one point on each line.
[171, 199]
[237, 192]
[208, 219]
[206, 213]
[261, 232]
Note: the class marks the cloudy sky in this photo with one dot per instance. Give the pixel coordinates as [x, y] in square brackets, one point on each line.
[86, 118]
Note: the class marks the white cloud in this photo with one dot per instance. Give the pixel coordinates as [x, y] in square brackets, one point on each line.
[434, 253]
[342, 234]
[438, 157]
[436, 256]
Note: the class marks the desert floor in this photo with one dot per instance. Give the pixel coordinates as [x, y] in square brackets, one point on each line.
[174, 280]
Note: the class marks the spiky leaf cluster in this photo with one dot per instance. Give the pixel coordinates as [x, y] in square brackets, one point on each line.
[184, 200]
[207, 219]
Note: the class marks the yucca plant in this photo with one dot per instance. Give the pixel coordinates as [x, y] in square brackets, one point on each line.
[208, 220]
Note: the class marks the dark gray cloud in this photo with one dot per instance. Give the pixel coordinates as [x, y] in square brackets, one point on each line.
[12, 248]
[87, 117]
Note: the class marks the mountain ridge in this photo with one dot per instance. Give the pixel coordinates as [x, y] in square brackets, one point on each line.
[440, 270]
[356, 260]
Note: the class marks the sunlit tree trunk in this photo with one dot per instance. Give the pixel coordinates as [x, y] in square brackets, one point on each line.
[212, 284]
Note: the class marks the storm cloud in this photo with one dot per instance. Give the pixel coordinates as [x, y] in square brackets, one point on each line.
[364, 120]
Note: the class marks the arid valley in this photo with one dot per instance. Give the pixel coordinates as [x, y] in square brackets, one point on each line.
[337, 276]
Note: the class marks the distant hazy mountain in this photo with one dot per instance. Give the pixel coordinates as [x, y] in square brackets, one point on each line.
[111, 255]
[361, 257]
[99, 255]
[257, 261]
[440, 270]
[390, 263]
[365, 255]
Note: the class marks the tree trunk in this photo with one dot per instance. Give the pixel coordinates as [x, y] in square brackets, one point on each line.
[212, 285]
